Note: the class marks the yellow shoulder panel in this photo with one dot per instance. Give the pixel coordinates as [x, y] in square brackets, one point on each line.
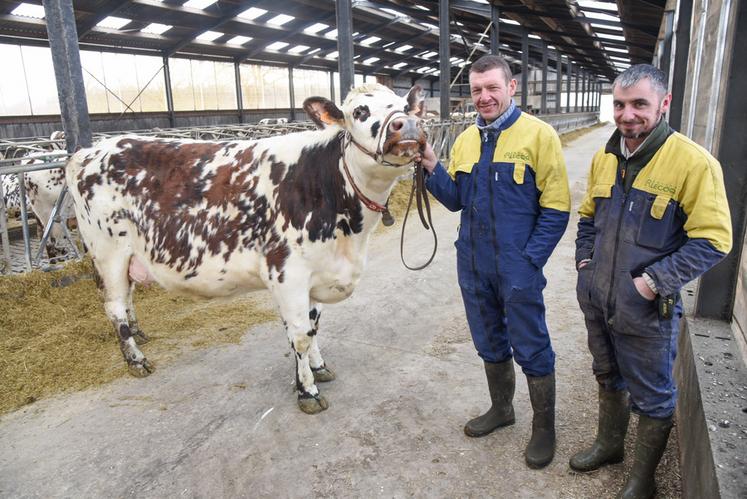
[599, 182]
[465, 152]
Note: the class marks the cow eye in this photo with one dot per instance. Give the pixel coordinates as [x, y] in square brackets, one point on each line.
[357, 113]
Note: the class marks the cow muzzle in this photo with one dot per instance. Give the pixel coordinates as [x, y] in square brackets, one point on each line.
[405, 137]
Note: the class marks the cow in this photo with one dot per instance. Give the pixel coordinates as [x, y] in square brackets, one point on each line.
[43, 187]
[292, 214]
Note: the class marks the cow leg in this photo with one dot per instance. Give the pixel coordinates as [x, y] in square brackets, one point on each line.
[321, 372]
[115, 286]
[293, 301]
[140, 337]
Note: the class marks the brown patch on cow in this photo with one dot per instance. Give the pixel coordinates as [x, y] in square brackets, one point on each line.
[277, 170]
[276, 258]
[316, 186]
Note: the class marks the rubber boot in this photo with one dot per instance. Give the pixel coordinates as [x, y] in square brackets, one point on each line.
[609, 446]
[649, 446]
[501, 384]
[541, 447]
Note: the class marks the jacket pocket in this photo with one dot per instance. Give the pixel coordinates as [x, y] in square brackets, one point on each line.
[656, 222]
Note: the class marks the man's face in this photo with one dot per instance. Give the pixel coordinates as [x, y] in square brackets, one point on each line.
[637, 109]
[491, 93]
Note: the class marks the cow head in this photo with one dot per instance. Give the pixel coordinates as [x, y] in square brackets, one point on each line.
[377, 120]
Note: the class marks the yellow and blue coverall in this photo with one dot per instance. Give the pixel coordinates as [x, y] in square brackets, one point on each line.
[672, 223]
[512, 188]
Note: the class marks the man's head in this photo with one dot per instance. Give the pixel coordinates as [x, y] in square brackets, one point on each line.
[640, 98]
[491, 86]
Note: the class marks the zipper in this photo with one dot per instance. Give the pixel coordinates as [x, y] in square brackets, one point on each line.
[617, 239]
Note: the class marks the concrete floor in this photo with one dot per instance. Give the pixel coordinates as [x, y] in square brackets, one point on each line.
[223, 422]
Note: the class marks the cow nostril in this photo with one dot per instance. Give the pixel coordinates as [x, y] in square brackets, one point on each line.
[396, 125]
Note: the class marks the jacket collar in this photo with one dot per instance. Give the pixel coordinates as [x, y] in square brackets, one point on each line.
[502, 122]
[652, 144]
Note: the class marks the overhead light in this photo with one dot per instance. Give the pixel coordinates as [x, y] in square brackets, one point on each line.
[611, 37]
[371, 60]
[399, 65]
[429, 54]
[239, 40]
[209, 36]
[609, 27]
[509, 21]
[403, 48]
[280, 19]
[298, 49]
[370, 40]
[112, 22]
[276, 46]
[29, 10]
[156, 28]
[198, 4]
[614, 49]
[316, 28]
[252, 13]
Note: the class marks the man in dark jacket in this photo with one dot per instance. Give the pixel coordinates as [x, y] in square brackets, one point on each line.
[654, 217]
[507, 175]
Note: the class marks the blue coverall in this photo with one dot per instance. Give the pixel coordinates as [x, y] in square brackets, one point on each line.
[512, 189]
[673, 224]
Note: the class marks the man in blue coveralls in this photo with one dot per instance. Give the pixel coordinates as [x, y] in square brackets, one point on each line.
[655, 216]
[507, 176]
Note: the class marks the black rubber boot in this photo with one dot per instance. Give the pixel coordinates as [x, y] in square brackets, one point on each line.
[609, 446]
[649, 446]
[501, 384]
[541, 447]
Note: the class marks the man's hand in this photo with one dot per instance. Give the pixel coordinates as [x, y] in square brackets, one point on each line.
[643, 289]
[427, 158]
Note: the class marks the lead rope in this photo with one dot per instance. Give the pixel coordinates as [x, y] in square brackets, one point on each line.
[421, 195]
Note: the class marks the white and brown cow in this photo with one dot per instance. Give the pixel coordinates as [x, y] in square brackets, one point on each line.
[290, 213]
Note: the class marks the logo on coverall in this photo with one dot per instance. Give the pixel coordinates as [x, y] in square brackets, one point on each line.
[516, 155]
[659, 186]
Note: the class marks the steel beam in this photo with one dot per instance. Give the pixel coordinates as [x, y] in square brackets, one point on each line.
[569, 75]
[169, 92]
[345, 65]
[239, 97]
[681, 53]
[292, 92]
[495, 30]
[543, 101]
[63, 43]
[558, 80]
[444, 51]
[524, 69]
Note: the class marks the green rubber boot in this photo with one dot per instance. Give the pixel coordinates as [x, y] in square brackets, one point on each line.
[609, 446]
[501, 384]
[649, 447]
[541, 447]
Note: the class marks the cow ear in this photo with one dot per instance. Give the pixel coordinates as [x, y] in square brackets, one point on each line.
[416, 101]
[323, 112]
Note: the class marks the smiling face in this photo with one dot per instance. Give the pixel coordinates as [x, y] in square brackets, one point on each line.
[491, 93]
[638, 109]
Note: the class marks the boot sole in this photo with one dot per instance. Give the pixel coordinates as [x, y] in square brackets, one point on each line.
[601, 465]
[477, 434]
[539, 465]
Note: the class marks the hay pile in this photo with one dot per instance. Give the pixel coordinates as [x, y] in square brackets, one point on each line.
[55, 337]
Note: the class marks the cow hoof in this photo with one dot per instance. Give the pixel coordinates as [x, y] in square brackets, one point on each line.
[311, 404]
[141, 369]
[140, 338]
[323, 374]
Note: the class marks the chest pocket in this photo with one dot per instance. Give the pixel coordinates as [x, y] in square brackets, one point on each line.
[656, 228]
[464, 187]
[601, 194]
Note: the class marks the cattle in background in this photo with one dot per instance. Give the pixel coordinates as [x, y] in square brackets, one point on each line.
[290, 213]
[43, 187]
[273, 121]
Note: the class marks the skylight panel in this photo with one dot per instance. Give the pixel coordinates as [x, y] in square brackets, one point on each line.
[209, 36]
[314, 51]
[593, 4]
[29, 10]
[112, 22]
[402, 49]
[370, 40]
[332, 55]
[615, 49]
[371, 60]
[252, 13]
[603, 17]
[429, 54]
[298, 49]
[239, 40]
[276, 46]
[280, 19]
[156, 28]
[509, 21]
[332, 34]
[316, 28]
[611, 37]
[399, 65]
[610, 27]
[198, 4]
